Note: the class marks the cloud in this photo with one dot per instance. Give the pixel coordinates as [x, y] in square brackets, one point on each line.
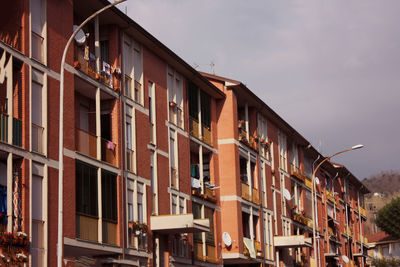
[330, 68]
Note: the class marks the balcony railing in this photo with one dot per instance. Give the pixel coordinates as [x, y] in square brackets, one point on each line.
[258, 248]
[194, 127]
[4, 127]
[17, 132]
[108, 151]
[363, 212]
[87, 228]
[246, 191]
[330, 197]
[109, 233]
[37, 138]
[86, 143]
[206, 134]
[255, 198]
[86, 62]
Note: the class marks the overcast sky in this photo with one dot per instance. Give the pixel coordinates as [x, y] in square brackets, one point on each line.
[329, 68]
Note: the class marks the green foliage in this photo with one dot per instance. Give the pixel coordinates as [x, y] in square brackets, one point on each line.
[385, 263]
[389, 217]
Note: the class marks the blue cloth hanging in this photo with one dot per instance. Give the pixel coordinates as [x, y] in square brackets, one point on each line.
[3, 205]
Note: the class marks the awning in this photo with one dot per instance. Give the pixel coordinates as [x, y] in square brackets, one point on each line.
[182, 223]
[292, 241]
[250, 246]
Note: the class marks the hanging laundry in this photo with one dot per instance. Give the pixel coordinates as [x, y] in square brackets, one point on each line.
[110, 145]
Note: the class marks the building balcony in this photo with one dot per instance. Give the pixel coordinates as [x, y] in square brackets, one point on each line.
[86, 143]
[182, 223]
[86, 63]
[363, 212]
[255, 197]
[87, 227]
[300, 218]
[210, 254]
[246, 191]
[297, 173]
[206, 134]
[252, 248]
[292, 241]
[330, 197]
[17, 130]
[194, 127]
[109, 232]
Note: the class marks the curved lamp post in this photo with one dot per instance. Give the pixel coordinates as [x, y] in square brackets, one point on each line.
[61, 134]
[312, 190]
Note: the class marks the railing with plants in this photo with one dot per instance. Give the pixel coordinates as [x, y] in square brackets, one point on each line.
[14, 248]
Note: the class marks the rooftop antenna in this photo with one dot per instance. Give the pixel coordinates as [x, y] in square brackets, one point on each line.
[126, 10]
[212, 65]
[195, 65]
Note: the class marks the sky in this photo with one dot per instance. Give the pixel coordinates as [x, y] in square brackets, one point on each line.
[328, 68]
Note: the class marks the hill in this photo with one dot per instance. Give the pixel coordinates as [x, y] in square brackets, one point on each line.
[384, 182]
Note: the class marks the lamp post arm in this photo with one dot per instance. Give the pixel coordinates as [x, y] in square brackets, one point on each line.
[60, 241]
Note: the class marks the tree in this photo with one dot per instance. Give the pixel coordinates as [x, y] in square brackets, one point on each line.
[389, 217]
[385, 263]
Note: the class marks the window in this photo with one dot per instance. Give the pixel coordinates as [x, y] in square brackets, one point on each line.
[130, 153]
[109, 196]
[246, 224]
[196, 209]
[282, 151]
[268, 236]
[37, 111]
[86, 190]
[137, 217]
[133, 68]
[175, 97]
[86, 202]
[209, 214]
[38, 222]
[173, 159]
[153, 176]
[38, 29]
[262, 127]
[174, 204]
[294, 158]
[152, 112]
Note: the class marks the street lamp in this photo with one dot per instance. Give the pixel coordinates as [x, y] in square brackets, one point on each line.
[61, 134]
[312, 189]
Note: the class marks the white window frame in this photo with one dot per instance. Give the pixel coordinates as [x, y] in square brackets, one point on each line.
[133, 69]
[178, 117]
[130, 118]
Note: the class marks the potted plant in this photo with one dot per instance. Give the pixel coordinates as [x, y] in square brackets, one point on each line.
[240, 124]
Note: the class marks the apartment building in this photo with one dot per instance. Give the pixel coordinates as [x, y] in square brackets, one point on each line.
[261, 157]
[163, 165]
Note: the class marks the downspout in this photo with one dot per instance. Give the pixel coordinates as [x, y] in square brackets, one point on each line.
[121, 108]
[315, 215]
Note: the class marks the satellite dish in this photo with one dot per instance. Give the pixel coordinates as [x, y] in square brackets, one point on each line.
[316, 180]
[227, 239]
[286, 194]
[80, 37]
[345, 259]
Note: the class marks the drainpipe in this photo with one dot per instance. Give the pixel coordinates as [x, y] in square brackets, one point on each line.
[122, 154]
[314, 196]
